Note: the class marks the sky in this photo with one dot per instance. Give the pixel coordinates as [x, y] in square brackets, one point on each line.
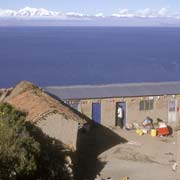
[107, 7]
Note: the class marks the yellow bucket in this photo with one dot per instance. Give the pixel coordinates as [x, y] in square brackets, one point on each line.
[153, 132]
[137, 131]
[140, 132]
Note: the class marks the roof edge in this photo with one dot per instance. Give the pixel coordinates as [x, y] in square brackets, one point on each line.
[114, 84]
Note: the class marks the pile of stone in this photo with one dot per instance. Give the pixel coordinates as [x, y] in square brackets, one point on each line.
[69, 166]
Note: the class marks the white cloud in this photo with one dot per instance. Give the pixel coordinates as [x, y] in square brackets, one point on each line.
[41, 12]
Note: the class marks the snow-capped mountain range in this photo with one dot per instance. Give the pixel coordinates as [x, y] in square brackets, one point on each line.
[41, 12]
[38, 12]
[123, 17]
[27, 12]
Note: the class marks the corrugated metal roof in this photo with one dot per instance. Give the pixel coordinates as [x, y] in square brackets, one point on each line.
[114, 90]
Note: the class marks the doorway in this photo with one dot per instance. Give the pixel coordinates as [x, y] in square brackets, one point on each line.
[121, 120]
[96, 112]
[172, 106]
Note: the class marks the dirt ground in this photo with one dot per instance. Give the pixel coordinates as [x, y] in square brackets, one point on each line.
[141, 158]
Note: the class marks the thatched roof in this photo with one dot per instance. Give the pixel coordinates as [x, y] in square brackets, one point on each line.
[33, 100]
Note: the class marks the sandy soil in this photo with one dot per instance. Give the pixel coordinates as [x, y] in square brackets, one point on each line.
[141, 158]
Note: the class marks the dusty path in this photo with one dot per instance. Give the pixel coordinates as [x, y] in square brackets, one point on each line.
[141, 158]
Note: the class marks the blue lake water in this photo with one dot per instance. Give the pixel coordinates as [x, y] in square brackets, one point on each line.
[88, 55]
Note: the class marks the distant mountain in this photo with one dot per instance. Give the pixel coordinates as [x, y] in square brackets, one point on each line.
[42, 17]
[28, 12]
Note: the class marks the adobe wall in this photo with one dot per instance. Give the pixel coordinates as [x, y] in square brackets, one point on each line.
[160, 110]
[86, 107]
[64, 130]
[108, 109]
[133, 114]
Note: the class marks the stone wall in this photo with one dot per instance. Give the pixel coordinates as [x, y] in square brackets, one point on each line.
[60, 128]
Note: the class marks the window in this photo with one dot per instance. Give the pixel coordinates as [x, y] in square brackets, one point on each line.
[146, 105]
[172, 106]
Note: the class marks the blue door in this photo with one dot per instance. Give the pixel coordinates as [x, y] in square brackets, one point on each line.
[96, 112]
[123, 106]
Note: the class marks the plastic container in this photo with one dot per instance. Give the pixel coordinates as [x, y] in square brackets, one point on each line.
[153, 132]
[137, 131]
[140, 132]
